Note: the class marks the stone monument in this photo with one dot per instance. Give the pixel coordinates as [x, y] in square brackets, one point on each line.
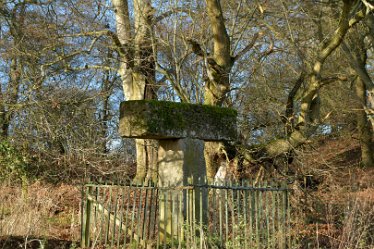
[181, 130]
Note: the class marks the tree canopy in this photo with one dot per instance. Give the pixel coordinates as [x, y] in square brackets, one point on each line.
[293, 70]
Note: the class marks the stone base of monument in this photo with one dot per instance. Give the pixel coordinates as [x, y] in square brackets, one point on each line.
[181, 130]
[180, 163]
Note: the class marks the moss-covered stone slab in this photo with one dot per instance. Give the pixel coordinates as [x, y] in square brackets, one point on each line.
[171, 120]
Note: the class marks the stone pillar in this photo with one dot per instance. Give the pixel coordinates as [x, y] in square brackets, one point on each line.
[181, 129]
[179, 161]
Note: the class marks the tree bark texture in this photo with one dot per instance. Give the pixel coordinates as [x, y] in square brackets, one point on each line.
[356, 52]
[364, 127]
[218, 67]
[137, 71]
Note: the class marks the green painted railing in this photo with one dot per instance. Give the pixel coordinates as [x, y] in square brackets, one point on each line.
[231, 216]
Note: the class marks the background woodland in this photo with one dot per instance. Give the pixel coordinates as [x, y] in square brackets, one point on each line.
[299, 73]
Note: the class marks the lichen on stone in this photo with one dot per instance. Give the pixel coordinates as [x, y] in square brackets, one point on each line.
[164, 120]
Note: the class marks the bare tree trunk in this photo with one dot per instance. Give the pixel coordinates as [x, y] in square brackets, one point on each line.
[356, 52]
[218, 67]
[370, 107]
[364, 127]
[137, 71]
[105, 116]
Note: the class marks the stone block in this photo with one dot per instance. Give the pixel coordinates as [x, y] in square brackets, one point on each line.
[181, 161]
[150, 119]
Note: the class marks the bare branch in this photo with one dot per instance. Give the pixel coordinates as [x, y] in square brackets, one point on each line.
[332, 79]
[291, 96]
[369, 6]
[359, 67]
[98, 67]
[335, 40]
[247, 48]
[169, 13]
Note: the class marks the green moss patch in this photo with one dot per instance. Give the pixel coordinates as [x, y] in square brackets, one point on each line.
[165, 120]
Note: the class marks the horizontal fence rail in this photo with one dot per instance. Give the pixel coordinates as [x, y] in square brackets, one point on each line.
[229, 215]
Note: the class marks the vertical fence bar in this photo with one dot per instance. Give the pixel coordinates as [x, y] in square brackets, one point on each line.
[145, 212]
[220, 210]
[251, 215]
[284, 215]
[233, 225]
[246, 235]
[155, 211]
[151, 210]
[266, 218]
[121, 214]
[193, 214]
[200, 192]
[213, 207]
[159, 199]
[107, 231]
[188, 217]
[289, 233]
[172, 219]
[127, 214]
[86, 214]
[279, 218]
[227, 215]
[165, 215]
[273, 219]
[96, 211]
[101, 234]
[257, 217]
[133, 215]
[115, 216]
[180, 219]
[139, 221]
[238, 214]
[83, 231]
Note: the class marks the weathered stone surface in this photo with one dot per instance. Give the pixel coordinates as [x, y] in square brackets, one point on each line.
[179, 161]
[170, 120]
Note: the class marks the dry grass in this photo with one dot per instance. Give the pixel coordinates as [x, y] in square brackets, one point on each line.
[47, 213]
[337, 211]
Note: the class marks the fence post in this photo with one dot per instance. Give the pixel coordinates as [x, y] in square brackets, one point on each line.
[284, 215]
[86, 217]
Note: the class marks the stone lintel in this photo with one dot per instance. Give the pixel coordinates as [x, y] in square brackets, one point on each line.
[150, 119]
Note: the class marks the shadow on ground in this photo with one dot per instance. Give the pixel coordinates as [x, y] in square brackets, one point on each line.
[14, 242]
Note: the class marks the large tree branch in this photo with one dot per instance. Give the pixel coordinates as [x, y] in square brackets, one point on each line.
[369, 5]
[290, 102]
[63, 57]
[332, 79]
[221, 40]
[336, 39]
[247, 48]
[122, 49]
[359, 67]
[171, 12]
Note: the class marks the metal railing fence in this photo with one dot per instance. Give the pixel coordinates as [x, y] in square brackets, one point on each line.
[231, 215]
